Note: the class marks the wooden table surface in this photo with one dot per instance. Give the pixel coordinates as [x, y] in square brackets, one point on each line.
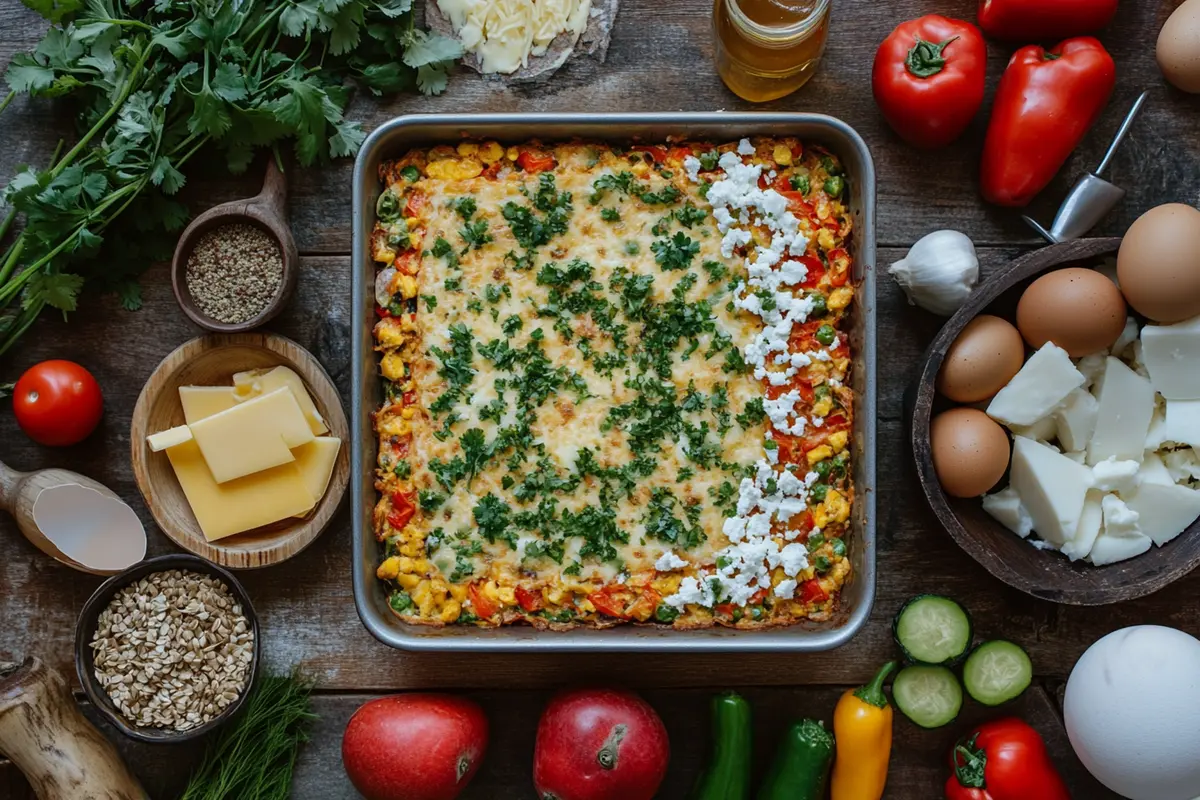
[660, 60]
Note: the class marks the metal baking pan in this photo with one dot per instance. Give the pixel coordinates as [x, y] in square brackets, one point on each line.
[395, 137]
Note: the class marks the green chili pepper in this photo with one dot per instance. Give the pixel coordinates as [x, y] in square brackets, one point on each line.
[800, 184]
[665, 613]
[834, 186]
[821, 564]
[818, 492]
[819, 308]
[801, 766]
[387, 207]
[728, 774]
[815, 541]
[823, 469]
[411, 174]
[839, 547]
[826, 334]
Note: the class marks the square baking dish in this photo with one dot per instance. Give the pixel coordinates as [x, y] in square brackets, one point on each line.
[391, 140]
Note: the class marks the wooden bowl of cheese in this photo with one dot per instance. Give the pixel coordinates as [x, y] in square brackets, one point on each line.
[238, 447]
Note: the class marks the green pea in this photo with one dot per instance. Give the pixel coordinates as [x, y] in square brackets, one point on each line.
[831, 166]
[839, 464]
[756, 612]
[823, 468]
[665, 613]
[800, 183]
[819, 492]
[826, 334]
[400, 601]
[411, 174]
[738, 614]
[821, 392]
[819, 308]
[815, 542]
[632, 248]
[839, 547]
[834, 186]
[821, 564]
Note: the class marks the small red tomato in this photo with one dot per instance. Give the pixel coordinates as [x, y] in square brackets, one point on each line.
[414, 746]
[599, 744]
[57, 403]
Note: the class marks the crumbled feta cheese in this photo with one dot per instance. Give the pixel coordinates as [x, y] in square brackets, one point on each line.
[668, 561]
[793, 558]
[691, 165]
[1119, 519]
[1112, 475]
[744, 148]
[786, 589]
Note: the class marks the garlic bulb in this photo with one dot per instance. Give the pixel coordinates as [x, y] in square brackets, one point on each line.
[939, 272]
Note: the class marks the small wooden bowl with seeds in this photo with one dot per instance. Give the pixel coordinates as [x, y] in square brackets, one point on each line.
[235, 266]
[200, 617]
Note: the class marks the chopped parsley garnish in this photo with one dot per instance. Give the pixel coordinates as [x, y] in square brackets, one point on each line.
[753, 414]
[708, 161]
[456, 365]
[664, 197]
[716, 271]
[430, 301]
[493, 292]
[430, 500]
[443, 249]
[403, 469]
[623, 182]
[662, 524]
[475, 234]
[734, 361]
[610, 215]
[632, 248]
[452, 284]
[676, 252]
[511, 325]
[690, 215]
[492, 518]
[552, 275]
[465, 206]
[532, 231]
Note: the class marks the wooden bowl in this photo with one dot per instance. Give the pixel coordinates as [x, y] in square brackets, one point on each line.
[266, 211]
[212, 361]
[85, 663]
[1042, 573]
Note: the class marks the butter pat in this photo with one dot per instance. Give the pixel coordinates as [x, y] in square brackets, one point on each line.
[315, 461]
[254, 383]
[223, 509]
[1051, 486]
[1171, 354]
[1034, 392]
[252, 436]
[169, 438]
[200, 402]
[1123, 418]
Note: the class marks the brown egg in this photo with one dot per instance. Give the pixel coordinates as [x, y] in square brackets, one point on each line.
[1178, 48]
[1158, 265]
[970, 451]
[1078, 309]
[983, 358]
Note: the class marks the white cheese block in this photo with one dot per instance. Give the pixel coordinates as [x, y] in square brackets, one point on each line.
[1076, 456]
[1164, 512]
[1044, 382]
[1091, 367]
[1184, 465]
[1111, 475]
[1123, 418]
[1051, 486]
[1119, 518]
[1128, 336]
[1075, 420]
[1044, 430]
[1156, 436]
[1006, 507]
[1089, 528]
[1181, 422]
[1171, 354]
[1111, 549]
[1155, 471]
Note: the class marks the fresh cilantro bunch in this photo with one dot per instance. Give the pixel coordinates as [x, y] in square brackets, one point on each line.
[157, 81]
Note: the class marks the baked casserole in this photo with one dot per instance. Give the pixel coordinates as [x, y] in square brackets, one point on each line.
[616, 384]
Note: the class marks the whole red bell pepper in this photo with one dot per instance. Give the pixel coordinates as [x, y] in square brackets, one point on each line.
[928, 79]
[1043, 20]
[1047, 100]
[1004, 760]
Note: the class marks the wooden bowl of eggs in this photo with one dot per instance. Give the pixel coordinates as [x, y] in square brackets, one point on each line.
[1056, 418]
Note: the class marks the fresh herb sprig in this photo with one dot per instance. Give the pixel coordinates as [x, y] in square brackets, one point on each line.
[156, 83]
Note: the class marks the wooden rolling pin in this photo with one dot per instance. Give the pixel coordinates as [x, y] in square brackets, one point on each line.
[44, 733]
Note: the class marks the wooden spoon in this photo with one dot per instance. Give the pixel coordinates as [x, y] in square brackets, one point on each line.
[62, 755]
[19, 493]
[267, 211]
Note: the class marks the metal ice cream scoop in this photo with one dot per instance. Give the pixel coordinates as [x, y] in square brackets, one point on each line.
[1093, 197]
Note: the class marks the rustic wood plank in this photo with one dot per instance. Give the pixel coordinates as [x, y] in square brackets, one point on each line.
[660, 60]
[917, 770]
[306, 603]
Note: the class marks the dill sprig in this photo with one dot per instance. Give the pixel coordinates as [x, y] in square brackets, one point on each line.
[255, 758]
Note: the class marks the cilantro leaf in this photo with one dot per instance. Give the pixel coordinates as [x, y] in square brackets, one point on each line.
[166, 176]
[26, 74]
[54, 10]
[58, 290]
[209, 114]
[675, 253]
[228, 83]
[424, 48]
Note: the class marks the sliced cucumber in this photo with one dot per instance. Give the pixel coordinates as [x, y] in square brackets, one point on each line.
[929, 696]
[933, 630]
[997, 672]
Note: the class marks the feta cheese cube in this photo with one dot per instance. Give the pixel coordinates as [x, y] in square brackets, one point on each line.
[1044, 382]
[1006, 507]
[1091, 367]
[1111, 549]
[1119, 518]
[1089, 528]
[1111, 475]
[1128, 336]
[1181, 423]
[1164, 512]
[1044, 430]
[1154, 471]
[1172, 357]
[1126, 405]
[1051, 486]
[1075, 420]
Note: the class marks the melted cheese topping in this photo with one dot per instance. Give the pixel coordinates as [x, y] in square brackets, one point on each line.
[505, 33]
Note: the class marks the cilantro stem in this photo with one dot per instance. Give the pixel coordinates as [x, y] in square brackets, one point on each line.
[8, 99]
[10, 261]
[26, 319]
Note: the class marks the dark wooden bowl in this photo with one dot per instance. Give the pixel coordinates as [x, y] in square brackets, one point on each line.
[266, 211]
[85, 664]
[1045, 574]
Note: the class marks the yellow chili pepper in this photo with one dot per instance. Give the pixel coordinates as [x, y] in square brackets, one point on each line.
[862, 726]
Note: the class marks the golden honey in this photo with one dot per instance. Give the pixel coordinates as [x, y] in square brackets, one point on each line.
[766, 49]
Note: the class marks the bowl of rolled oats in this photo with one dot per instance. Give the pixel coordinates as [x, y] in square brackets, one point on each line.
[168, 649]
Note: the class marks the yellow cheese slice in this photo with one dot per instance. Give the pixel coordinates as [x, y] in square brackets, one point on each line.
[252, 436]
[315, 461]
[204, 401]
[223, 509]
[253, 383]
[169, 438]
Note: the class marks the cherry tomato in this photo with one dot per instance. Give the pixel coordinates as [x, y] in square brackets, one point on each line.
[57, 403]
[816, 270]
[534, 162]
[402, 510]
[485, 607]
[529, 600]
[811, 591]
[613, 600]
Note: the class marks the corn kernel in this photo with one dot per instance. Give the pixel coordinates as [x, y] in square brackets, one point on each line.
[422, 566]
[392, 366]
[586, 607]
[439, 594]
[467, 148]
[840, 298]
[512, 153]
[820, 517]
[838, 441]
[427, 606]
[491, 591]
[405, 564]
[422, 591]
[411, 548]
[408, 413]
[508, 595]
[389, 569]
[782, 155]
[490, 152]
[822, 407]
[555, 595]
[459, 592]
[826, 240]
[407, 285]
[819, 454]
[451, 611]
[408, 582]
[412, 223]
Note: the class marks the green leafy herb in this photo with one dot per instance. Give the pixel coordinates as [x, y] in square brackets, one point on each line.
[475, 234]
[708, 161]
[800, 183]
[676, 252]
[492, 516]
[610, 215]
[465, 207]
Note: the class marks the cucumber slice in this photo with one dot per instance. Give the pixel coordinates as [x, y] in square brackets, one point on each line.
[933, 630]
[997, 672]
[929, 696]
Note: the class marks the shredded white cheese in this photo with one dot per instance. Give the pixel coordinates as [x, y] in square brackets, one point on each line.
[505, 33]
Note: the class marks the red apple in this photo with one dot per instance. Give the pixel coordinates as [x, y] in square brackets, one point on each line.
[600, 744]
[414, 746]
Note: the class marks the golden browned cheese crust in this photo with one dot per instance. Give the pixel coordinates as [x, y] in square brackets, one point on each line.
[571, 424]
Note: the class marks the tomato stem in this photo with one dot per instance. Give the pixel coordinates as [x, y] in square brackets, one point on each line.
[925, 59]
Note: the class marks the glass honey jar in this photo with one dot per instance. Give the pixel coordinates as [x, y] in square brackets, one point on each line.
[766, 49]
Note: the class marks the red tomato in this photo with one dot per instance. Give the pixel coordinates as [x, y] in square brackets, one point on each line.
[415, 204]
[816, 270]
[484, 606]
[57, 403]
[599, 744]
[533, 162]
[530, 601]
[402, 510]
[676, 155]
[811, 592]
[613, 600]
[414, 746]
[494, 170]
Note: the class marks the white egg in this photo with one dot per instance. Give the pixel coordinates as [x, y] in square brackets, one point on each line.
[1132, 711]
